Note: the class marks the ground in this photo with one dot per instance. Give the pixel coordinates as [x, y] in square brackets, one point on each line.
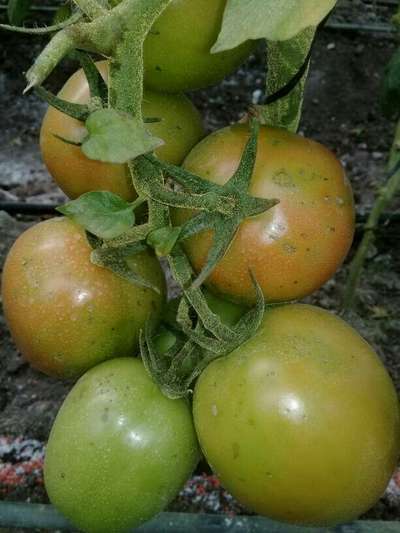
[341, 110]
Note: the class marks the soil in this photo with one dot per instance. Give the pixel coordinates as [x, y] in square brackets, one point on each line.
[341, 110]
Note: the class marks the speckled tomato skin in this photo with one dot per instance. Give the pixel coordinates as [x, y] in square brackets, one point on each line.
[65, 313]
[177, 53]
[301, 423]
[180, 128]
[295, 247]
[119, 450]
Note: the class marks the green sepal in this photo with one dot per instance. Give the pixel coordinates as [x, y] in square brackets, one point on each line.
[97, 86]
[116, 260]
[77, 111]
[163, 240]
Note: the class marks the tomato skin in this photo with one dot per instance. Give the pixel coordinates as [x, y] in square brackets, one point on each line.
[228, 312]
[177, 53]
[119, 450]
[295, 247]
[180, 127]
[65, 313]
[301, 423]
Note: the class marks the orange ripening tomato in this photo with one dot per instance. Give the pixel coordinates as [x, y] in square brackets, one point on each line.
[296, 246]
[180, 128]
[67, 314]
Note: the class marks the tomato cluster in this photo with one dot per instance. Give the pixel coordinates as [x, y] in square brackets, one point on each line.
[301, 422]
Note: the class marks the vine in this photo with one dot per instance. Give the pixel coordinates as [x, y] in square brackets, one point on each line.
[117, 133]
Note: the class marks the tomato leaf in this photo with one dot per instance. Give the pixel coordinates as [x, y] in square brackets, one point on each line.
[103, 214]
[17, 11]
[116, 137]
[390, 95]
[163, 240]
[268, 19]
[284, 60]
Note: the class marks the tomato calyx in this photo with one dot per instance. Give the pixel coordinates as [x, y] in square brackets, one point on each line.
[224, 208]
[198, 341]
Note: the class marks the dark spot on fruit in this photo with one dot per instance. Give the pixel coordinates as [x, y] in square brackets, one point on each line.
[235, 450]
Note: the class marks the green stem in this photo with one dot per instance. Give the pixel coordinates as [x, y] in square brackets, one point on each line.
[103, 35]
[46, 29]
[386, 195]
[126, 69]
[91, 8]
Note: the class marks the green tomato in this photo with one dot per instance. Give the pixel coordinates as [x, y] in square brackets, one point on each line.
[67, 314]
[228, 312]
[119, 451]
[177, 53]
[301, 423]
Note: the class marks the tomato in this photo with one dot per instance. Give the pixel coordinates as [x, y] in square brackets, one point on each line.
[228, 312]
[180, 127]
[119, 450]
[177, 53]
[295, 247]
[67, 314]
[301, 423]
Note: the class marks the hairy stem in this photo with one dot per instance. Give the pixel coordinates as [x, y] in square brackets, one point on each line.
[386, 195]
[103, 35]
[91, 8]
[126, 71]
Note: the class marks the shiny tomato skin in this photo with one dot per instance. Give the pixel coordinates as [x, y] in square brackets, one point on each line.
[119, 450]
[301, 423]
[177, 53]
[180, 127]
[295, 247]
[67, 314]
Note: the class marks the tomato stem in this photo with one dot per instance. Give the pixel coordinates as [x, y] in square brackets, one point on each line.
[385, 197]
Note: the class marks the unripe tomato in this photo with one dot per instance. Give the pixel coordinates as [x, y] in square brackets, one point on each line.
[180, 128]
[67, 314]
[228, 312]
[296, 246]
[301, 423]
[119, 450]
[177, 53]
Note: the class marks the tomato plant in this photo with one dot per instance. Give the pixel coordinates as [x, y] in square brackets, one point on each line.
[67, 314]
[296, 246]
[180, 127]
[178, 58]
[293, 410]
[290, 424]
[119, 451]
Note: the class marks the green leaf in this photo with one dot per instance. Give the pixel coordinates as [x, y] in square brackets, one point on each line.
[104, 214]
[268, 19]
[390, 95]
[284, 59]
[117, 137]
[163, 240]
[17, 11]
